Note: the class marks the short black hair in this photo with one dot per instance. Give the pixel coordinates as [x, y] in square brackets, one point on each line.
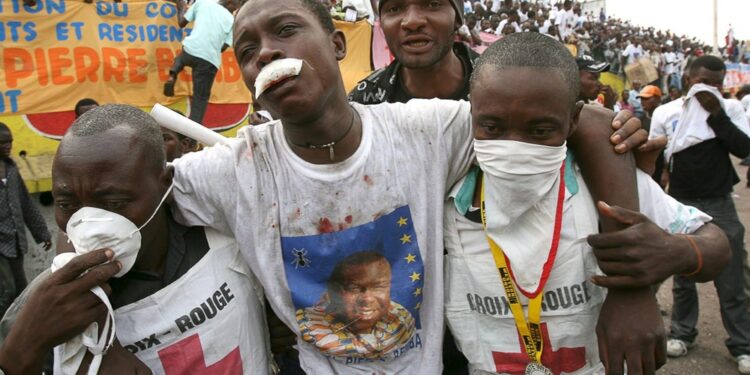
[321, 13]
[4, 127]
[317, 9]
[533, 50]
[83, 103]
[708, 62]
[110, 116]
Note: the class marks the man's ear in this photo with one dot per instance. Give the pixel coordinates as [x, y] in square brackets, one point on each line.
[576, 115]
[339, 44]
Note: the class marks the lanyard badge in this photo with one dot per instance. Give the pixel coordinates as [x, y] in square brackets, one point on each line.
[529, 329]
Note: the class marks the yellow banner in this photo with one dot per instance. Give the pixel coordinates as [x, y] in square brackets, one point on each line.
[57, 52]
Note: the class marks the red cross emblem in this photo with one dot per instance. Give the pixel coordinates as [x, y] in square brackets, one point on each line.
[186, 357]
[561, 360]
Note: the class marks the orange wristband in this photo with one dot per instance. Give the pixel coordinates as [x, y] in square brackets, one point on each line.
[697, 254]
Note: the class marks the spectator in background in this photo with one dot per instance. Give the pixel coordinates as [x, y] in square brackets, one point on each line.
[486, 26]
[468, 31]
[523, 12]
[512, 21]
[674, 94]
[201, 50]
[623, 104]
[670, 73]
[635, 90]
[633, 51]
[176, 144]
[589, 72]
[650, 97]
[496, 21]
[566, 20]
[84, 105]
[17, 211]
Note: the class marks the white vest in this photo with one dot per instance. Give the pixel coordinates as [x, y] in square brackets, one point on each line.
[209, 321]
[478, 312]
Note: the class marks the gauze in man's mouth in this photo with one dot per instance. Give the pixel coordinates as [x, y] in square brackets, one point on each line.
[275, 72]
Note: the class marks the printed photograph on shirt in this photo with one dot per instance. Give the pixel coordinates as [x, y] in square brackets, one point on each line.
[357, 292]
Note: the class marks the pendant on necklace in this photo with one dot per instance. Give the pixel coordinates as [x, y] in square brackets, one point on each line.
[535, 368]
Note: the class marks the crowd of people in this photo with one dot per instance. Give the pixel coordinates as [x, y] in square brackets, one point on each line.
[413, 225]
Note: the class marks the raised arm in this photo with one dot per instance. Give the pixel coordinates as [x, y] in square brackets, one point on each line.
[730, 136]
[181, 20]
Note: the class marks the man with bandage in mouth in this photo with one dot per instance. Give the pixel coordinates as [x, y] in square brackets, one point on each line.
[172, 297]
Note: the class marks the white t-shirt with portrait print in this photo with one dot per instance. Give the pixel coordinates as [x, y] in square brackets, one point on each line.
[295, 221]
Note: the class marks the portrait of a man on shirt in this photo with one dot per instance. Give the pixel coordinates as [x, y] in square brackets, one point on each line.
[356, 317]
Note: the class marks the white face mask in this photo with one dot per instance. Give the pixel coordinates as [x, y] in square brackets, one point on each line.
[92, 228]
[521, 182]
[501, 158]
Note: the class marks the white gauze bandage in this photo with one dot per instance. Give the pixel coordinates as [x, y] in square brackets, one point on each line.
[276, 71]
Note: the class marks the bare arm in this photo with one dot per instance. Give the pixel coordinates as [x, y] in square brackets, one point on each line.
[644, 254]
[611, 177]
[181, 21]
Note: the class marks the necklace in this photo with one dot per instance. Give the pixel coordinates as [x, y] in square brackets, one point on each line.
[330, 145]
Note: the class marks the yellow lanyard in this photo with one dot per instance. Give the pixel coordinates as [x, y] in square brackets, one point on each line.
[530, 330]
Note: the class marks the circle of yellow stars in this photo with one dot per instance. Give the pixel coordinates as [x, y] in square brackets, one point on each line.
[410, 258]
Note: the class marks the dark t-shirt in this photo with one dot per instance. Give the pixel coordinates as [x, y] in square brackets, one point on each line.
[401, 94]
[705, 170]
[384, 85]
[187, 245]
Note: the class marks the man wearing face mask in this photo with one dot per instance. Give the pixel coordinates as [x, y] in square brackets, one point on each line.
[513, 229]
[172, 294]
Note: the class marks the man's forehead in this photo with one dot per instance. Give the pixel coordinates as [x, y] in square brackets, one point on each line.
[117, 145]
[277, 8]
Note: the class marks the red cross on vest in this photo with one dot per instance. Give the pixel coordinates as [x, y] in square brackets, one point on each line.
[186, 357]
[561, 360]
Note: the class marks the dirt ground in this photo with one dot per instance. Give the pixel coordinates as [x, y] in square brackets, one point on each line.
[707, 358]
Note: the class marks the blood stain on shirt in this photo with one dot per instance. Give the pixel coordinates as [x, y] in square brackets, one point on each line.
[325, 226]
[368, 180]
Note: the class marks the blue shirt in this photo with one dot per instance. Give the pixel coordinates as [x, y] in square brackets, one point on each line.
[212, 28]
